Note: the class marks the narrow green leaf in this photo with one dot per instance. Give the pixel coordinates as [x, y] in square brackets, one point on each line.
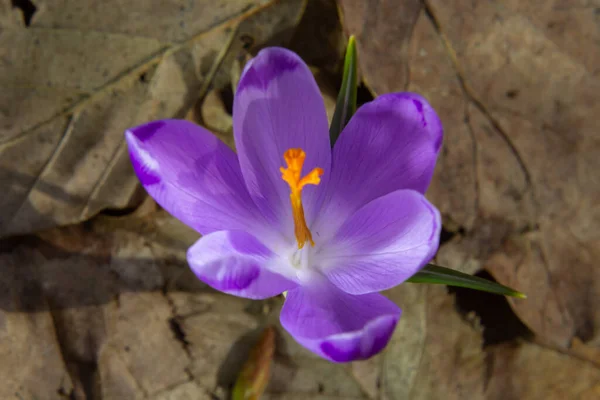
[446, 276]
[346, 101]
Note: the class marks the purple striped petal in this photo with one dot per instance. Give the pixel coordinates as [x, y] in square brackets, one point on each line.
[338, 326]
[193, 175]
[237, 263]
[278, 106]
[383, 244]
[390, 143]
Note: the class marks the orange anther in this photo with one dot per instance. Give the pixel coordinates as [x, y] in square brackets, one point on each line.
[294, 159]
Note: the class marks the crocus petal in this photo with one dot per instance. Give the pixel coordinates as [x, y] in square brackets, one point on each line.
[237, 263]
[338, 326]
[278, 106]
[193, 175]
[390, 143]
[384, 243]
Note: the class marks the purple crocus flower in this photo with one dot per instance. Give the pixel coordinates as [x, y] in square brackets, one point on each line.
[288, 213]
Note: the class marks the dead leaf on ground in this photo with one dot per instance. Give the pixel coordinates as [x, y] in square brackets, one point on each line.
[438, 353]
[532, 106]
[382, 30]
[527, 371]
[516, 178]
[97, 316]
[434, 352]
[319, 38]
[79, 75]
[111, 310]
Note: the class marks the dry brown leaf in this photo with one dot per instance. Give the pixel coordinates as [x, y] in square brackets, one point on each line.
[87, 307]
[216, 118]
[382, 30]
[90, 303]
[581, 350]
[114, 312]
[527, 371]
[532, 107]
[434, 352]
[437, 353]
[97, 316]
[516, 177]
[319, 38]
[109, 309]
[91, 71]
[32, 366]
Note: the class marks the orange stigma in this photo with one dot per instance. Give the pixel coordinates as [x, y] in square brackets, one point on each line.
[294, 159]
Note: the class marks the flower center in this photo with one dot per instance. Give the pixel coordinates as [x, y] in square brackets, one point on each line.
[294, 159]
[301, 258]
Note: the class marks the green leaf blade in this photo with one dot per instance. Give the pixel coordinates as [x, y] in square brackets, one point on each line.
[346, 102]
[434, 274]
